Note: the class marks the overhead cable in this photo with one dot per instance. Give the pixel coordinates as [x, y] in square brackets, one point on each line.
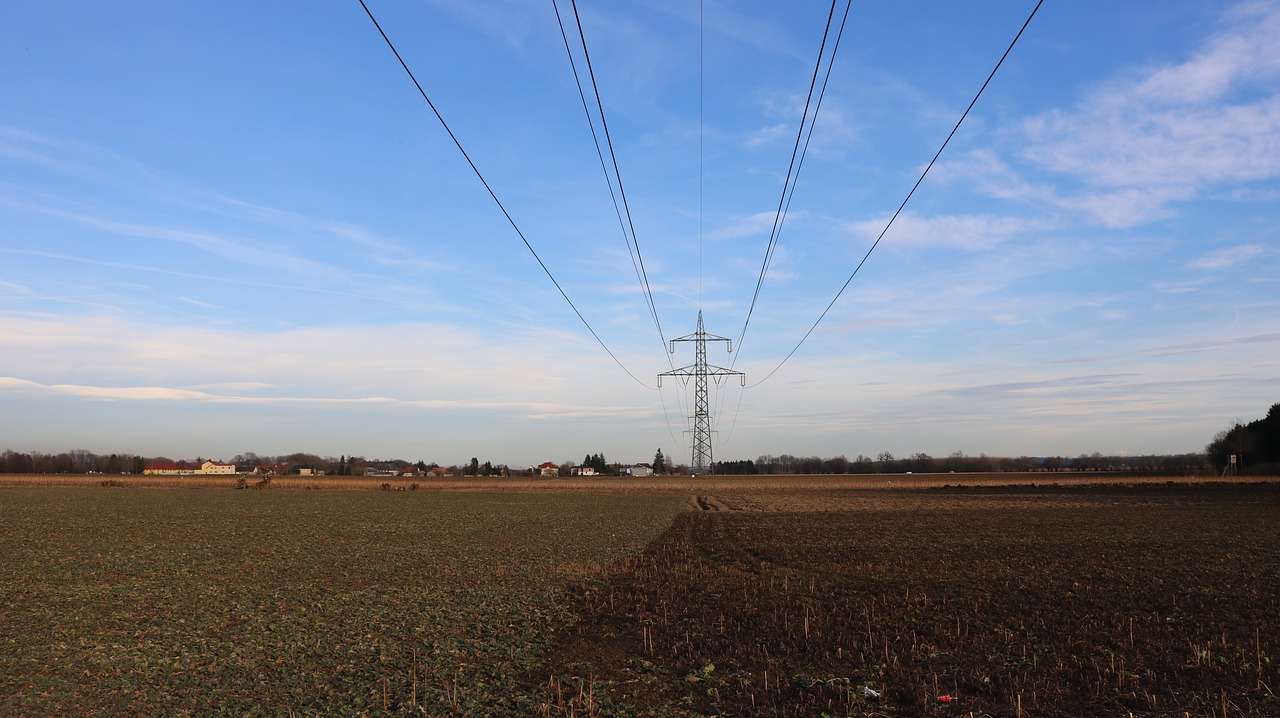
[493, 195]
[897, 212]
[797, 155]
[627, 226]
[629, 239]
[702, 132]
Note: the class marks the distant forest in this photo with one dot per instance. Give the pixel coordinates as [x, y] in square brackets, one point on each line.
[80, 461]
[887, 463]
[1255, 445]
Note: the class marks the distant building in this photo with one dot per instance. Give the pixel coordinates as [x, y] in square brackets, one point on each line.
[548, 468]
[638, 470]
[188, 468]
[170, 468]
[584, 471]
[286, 470]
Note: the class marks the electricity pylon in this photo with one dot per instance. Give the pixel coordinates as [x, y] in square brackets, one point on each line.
[700, 370]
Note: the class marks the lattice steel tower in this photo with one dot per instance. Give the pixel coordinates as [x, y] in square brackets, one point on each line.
[700, 370]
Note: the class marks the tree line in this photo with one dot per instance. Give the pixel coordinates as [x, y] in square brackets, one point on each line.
[1255, 446]
[76, 461]
[958, 462]
[80, 461]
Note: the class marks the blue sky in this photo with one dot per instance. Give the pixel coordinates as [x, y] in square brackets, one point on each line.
[230, 227]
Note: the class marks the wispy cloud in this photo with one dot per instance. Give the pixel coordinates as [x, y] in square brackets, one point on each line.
[1228, 257]
[13, 289]
[760, 223]
[1184, 287]
[409, 362]
[381, 250]
[204, 278]
[1170, 131]
[160, 193]
[1138, 146]
[967, 232]
[1245, 51]
[726, 19]
[1207, 345]
[535, 411]
[519, 19]
[68, 157]
[769, 135]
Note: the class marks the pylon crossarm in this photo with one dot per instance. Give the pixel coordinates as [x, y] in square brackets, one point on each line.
[683, 371]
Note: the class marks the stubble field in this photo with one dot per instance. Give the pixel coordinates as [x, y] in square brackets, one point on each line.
[743, 598]
[1047, 601]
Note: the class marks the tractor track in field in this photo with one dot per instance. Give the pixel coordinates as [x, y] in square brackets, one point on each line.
[1152, 601]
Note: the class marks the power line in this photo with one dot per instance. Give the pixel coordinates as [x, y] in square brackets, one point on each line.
[736, 412]
[493, 195]
[604, 123]
[702, 131]
[630, 239]
[667, 415]
[909, 194]
[789, 186]
[798, 155]
[793, 169]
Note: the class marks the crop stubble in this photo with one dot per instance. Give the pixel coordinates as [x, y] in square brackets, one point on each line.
[1018, 602]
[758, 600]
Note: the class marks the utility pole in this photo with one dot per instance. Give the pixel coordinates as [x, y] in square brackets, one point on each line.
[700, 370]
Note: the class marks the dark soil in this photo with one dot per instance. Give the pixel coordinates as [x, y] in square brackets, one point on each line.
[1150, 601]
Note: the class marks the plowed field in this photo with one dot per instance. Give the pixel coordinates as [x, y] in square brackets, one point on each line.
[744, 598]
[1028, 602]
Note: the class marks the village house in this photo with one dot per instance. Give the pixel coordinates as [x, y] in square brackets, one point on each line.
[169, 468]
[548, 468]
[187, 468]
[287, 470]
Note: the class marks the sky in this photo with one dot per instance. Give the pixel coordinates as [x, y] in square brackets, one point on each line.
[236, 226]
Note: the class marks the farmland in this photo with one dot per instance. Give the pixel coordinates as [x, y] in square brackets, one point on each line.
[1100, 601]
[172, 602]
[676, 597]
[612, 484]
